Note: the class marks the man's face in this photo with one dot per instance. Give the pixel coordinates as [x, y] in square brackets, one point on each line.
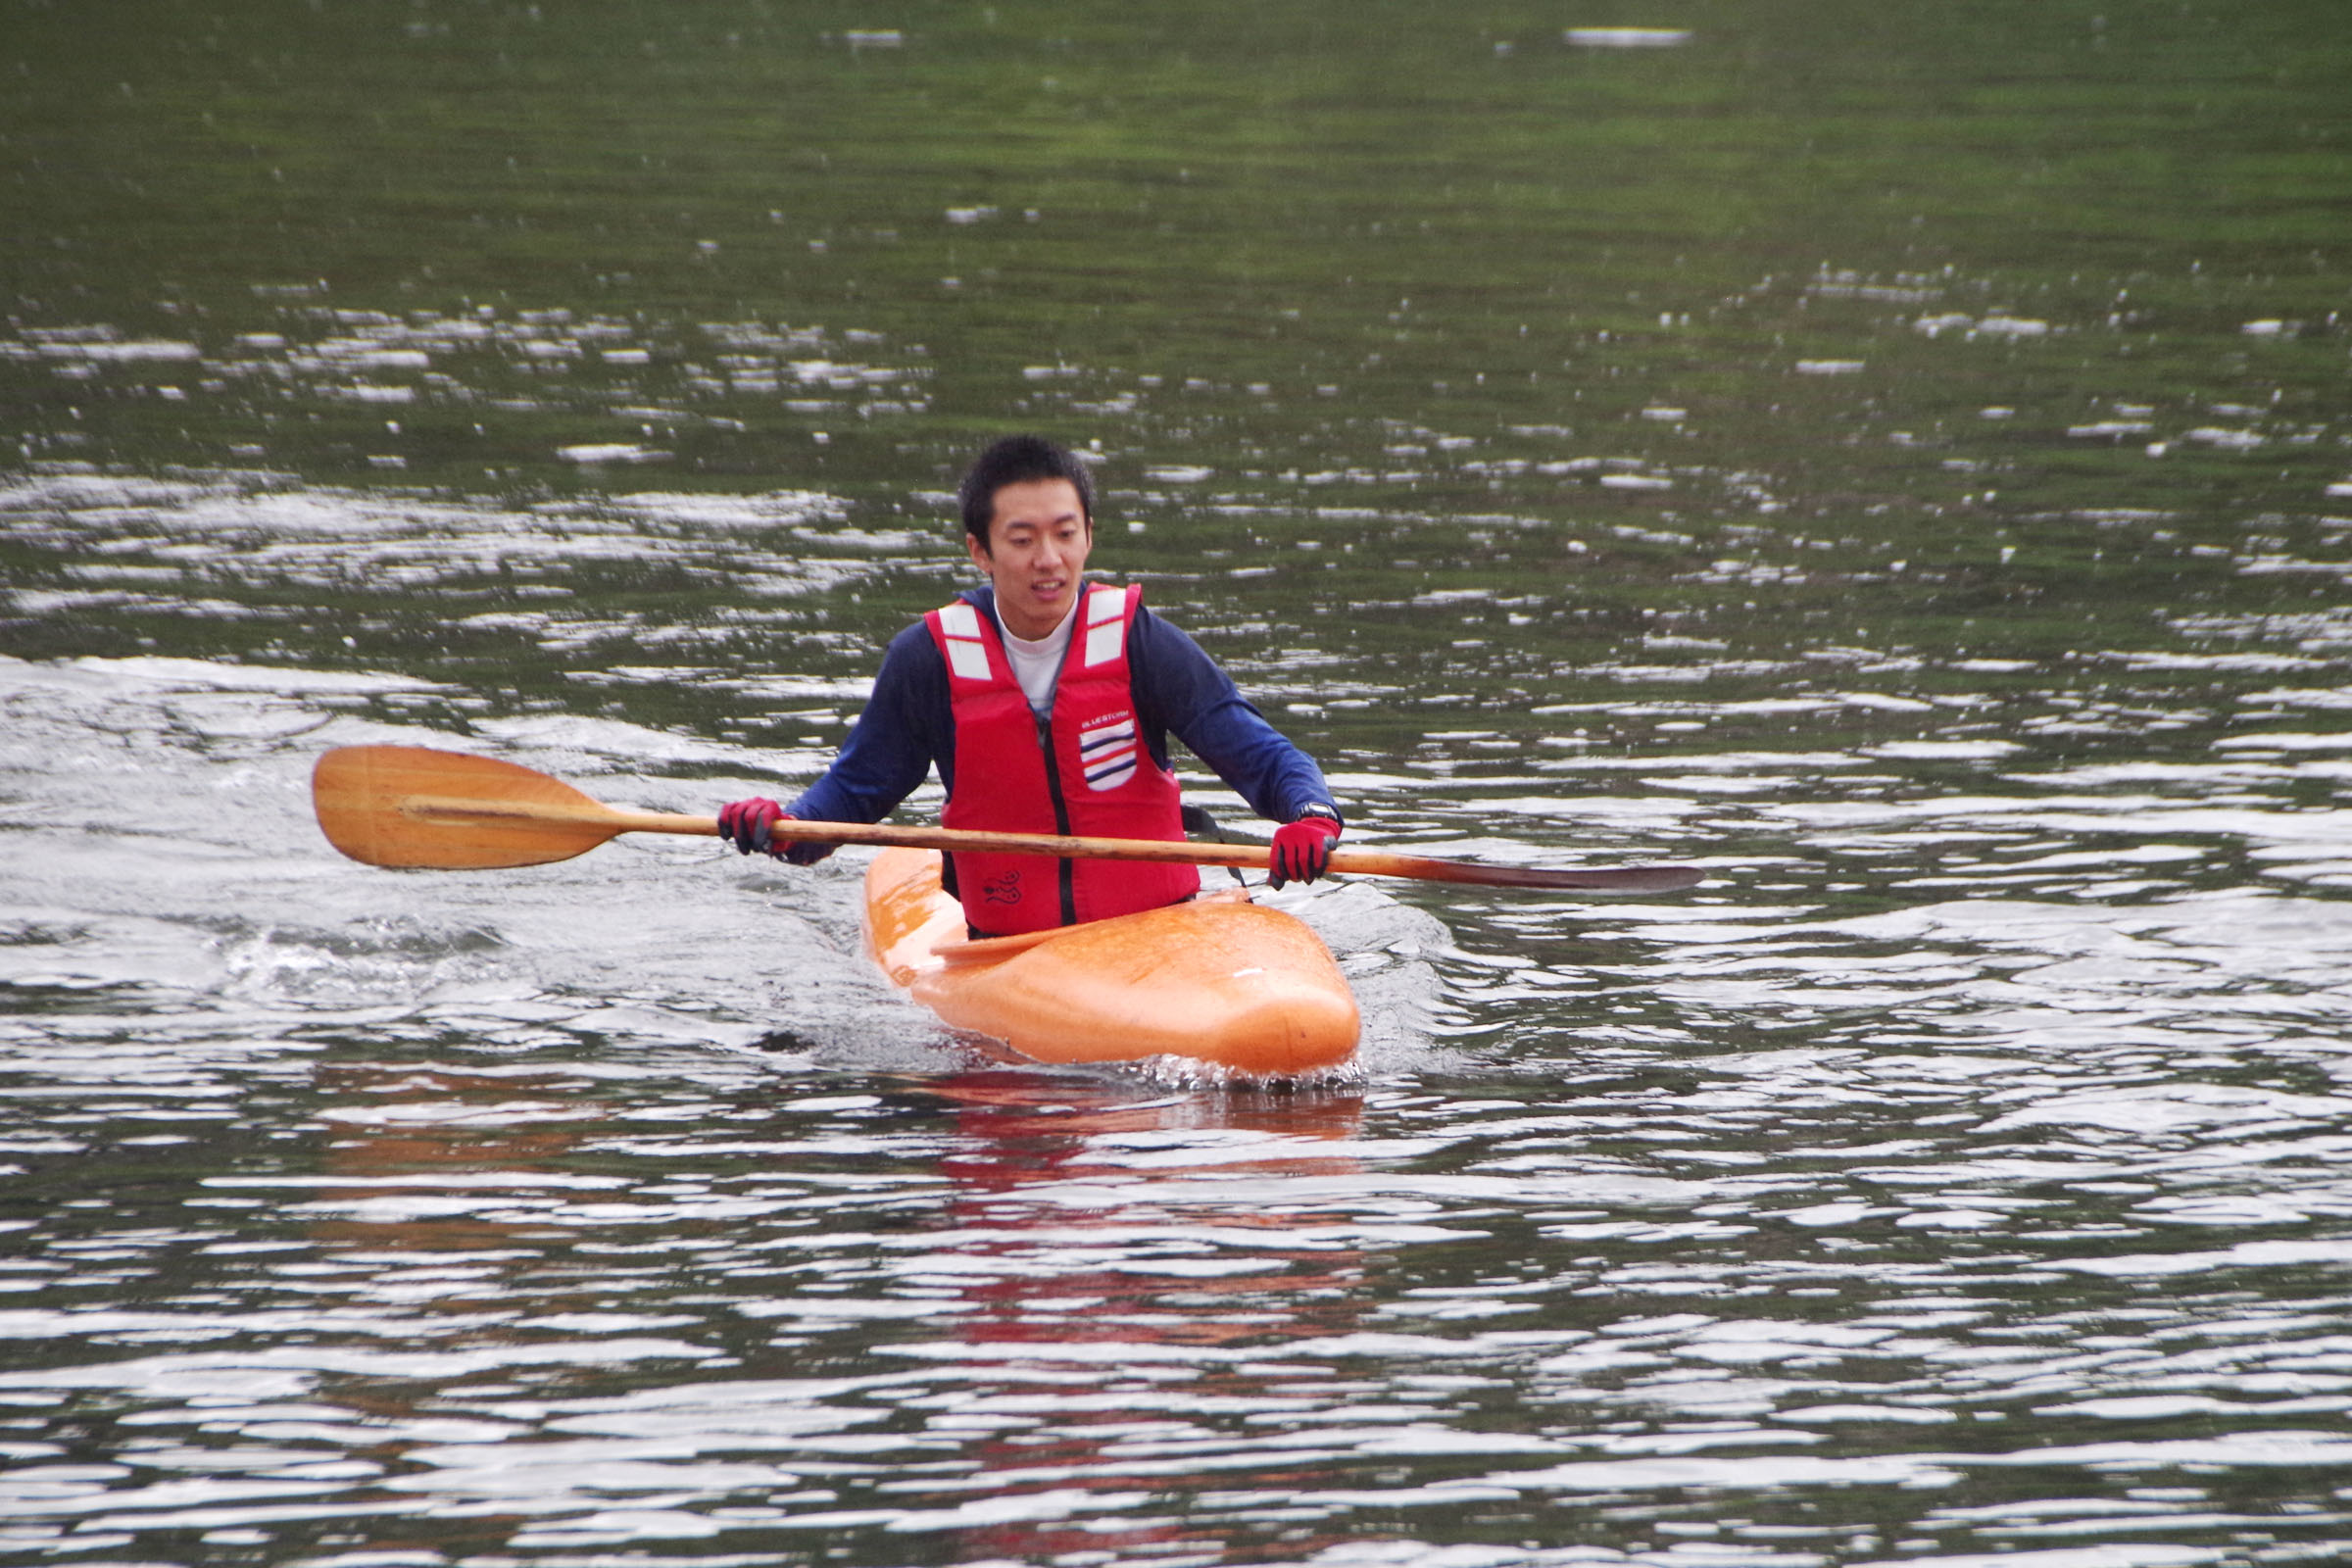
[1038, 539]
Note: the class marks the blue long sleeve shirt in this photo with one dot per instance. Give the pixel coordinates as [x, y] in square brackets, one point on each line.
[908, 727]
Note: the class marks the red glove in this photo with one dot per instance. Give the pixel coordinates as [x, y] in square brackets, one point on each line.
[1302, 849]
[748, 825]
[745, 823]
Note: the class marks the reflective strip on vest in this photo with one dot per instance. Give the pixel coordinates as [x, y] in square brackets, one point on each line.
[1105, 626]
[967, 654]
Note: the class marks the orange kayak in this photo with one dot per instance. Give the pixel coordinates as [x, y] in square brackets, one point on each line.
[1219, 980]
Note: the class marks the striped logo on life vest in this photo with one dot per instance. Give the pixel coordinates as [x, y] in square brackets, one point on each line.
[1106, 752]
[967, 654]
[1105, 630]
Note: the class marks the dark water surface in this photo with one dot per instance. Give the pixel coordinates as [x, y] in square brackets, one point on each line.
[1896, 456]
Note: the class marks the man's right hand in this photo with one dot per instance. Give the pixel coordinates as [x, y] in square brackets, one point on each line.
[749, 826]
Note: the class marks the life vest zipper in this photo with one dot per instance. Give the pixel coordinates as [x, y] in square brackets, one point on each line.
[1065, 870]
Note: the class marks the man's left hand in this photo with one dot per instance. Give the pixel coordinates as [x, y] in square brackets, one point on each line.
[1303, 850]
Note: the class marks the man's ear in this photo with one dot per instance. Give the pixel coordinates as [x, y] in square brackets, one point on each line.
[978, 551]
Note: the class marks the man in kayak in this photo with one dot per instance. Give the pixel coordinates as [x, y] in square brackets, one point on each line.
[1045, 702]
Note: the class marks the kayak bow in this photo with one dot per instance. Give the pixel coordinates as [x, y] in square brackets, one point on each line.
[1218, 980]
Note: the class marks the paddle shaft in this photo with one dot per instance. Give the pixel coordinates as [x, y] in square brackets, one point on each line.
[431, 808]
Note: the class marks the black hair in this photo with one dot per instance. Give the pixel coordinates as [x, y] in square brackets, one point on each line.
[1018, 460]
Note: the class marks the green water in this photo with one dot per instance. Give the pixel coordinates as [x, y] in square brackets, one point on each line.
[1275, 245]
[1896, 456]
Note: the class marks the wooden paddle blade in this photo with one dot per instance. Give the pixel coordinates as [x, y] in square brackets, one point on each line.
[415, 807]
[1632, 878]
[1598, 879]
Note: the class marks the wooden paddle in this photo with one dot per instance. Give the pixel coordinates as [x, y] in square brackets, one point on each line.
[415, 807]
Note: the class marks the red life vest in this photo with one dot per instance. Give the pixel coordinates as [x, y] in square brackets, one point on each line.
[1081, 769]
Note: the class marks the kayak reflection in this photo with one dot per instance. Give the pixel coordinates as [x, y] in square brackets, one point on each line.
[1139, 1272]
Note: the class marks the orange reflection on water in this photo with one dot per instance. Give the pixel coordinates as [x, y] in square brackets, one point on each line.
[1161, 1228]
